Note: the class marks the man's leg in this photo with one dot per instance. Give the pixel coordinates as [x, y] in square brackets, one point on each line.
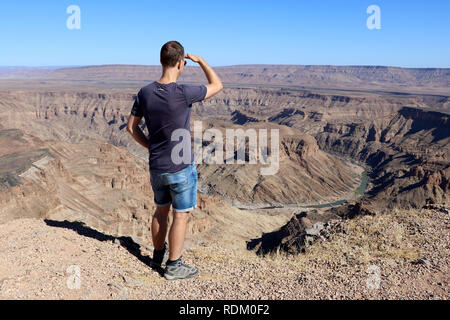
[175, 268]
[159, 227]
[184, 200]
[177, 234]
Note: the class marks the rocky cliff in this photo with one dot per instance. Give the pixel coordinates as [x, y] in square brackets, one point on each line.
[408, 152]
[68, 155]
[305, 175]
[102, 186]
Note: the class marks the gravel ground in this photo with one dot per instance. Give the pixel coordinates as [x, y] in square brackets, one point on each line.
[409, 250]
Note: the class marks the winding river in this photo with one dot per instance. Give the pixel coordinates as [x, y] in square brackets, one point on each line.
[358, 192]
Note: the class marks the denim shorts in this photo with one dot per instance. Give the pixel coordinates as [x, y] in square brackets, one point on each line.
[178, 189]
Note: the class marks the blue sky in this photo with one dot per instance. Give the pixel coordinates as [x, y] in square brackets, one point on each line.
[229, 32]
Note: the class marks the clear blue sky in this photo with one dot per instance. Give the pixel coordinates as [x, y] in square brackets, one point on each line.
[228, 32]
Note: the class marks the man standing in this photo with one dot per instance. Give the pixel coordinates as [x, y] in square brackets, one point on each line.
[166, 107]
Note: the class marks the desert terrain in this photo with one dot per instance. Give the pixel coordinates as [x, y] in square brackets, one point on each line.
[363, 183]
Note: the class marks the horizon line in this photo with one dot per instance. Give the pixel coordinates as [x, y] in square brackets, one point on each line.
[220, 66]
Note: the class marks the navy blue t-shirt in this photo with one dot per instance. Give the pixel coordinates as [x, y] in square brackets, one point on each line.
[166, 108]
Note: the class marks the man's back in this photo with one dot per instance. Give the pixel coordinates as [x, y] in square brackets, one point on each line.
[166, 108]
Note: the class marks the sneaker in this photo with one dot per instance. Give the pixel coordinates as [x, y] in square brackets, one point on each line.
[160, 259]
[179, 270]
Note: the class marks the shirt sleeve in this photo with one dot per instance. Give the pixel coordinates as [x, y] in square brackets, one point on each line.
[194, 94]
[137, 110]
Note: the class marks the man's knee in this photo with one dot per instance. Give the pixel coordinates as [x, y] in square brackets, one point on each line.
[162, 211]
[181, 215]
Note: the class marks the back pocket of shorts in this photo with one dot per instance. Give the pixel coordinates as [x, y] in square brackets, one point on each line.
[182, 184]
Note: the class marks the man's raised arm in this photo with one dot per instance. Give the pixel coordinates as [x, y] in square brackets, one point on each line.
[215, 84]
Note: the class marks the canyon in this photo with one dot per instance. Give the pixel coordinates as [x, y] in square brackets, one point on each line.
[328, 137]
[65, 154]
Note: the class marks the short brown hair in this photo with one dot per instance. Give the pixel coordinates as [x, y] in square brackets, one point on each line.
[171, 53]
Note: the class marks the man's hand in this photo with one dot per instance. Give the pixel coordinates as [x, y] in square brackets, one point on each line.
[215, 84]
[196, 59]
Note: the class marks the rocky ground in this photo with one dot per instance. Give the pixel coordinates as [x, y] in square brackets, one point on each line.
[409, 250]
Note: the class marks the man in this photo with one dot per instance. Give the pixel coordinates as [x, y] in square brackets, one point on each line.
[166, 107]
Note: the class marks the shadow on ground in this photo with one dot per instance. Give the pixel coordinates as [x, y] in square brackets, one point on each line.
[126, 242]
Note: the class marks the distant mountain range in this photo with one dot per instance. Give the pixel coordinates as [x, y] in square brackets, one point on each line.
[392, 79]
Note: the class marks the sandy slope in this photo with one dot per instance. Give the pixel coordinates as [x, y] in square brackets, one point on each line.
[35, 256]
